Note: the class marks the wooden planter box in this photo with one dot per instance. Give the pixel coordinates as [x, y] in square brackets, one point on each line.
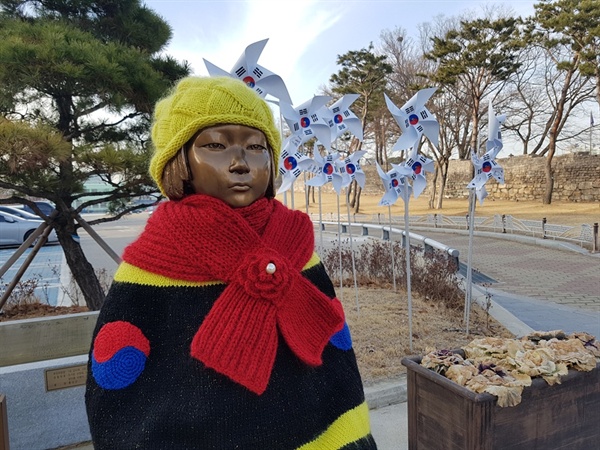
[445, 415]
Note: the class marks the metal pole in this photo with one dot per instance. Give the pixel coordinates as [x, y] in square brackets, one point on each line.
[24, 246]
[408, 270]
[41, 241]
[392, 248]
[98, 239]
[352, 252]
[469, 286]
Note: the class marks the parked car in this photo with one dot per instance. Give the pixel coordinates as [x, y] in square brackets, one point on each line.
[14, 230]
[19, 212]
[45, 207]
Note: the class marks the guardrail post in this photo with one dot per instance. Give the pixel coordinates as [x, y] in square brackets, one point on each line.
[365, 231]
[435, 220]
[322, 226]
[467, 217]
[385, 234]
[543, 228]
[504, 223]
[344, 228]
[595, 238]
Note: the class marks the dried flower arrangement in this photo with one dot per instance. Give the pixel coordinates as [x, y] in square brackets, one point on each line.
[503, 367]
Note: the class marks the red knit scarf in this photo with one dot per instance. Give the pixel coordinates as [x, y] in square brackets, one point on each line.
[201, 238]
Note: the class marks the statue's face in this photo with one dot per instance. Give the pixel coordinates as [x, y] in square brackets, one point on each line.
[231, 163]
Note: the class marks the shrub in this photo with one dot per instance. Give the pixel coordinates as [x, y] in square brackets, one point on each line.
[433, 273]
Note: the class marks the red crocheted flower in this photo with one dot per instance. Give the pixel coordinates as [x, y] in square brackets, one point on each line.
[264, 274]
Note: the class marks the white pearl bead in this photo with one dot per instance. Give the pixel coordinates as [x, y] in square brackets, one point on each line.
[271, 268]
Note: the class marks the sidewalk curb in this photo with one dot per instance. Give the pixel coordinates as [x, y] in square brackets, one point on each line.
[386, 393]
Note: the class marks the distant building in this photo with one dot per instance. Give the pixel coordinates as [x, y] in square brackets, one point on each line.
[94, 184]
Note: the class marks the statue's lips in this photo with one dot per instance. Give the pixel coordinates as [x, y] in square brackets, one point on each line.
[240, 187]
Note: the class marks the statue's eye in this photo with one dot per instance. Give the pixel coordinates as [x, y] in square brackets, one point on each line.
[256, 147]
[214, 146]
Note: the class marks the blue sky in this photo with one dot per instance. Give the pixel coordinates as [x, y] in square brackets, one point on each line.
[305, 37]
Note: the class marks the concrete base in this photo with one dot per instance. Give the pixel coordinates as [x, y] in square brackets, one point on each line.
[38, 418]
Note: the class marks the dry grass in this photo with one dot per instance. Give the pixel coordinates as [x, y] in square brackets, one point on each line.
[380, 329]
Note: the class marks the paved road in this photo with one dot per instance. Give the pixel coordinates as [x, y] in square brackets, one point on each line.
[556, 273]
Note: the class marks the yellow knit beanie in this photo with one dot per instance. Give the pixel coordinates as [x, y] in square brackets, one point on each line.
[196, 103]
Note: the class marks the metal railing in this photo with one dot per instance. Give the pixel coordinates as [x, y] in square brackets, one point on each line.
[584, 236]
[367, 229]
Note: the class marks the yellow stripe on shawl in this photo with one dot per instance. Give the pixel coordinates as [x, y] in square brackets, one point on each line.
[348, 428]
[127, 273]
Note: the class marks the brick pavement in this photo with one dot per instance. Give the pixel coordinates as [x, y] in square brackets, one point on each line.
[565, 277]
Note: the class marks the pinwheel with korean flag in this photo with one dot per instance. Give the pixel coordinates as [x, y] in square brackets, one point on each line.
[327, 171]
[414, 168]
[292, 162]
[309, 120]
[414, 120]
[485, 168]
[256, 77]
[395, 186]
[343, 119]
[350, 169]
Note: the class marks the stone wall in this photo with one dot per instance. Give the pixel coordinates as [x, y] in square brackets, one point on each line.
[577, 179]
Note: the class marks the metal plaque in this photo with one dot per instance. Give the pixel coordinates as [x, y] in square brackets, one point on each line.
[66, 377]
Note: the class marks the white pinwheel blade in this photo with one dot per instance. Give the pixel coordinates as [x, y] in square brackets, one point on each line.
[431, 129]
[392, 107]
[389, 198]
[360, 178]
[494, 135]
[252, 53]
[275, 86]
[336, 181]
[406, 140]
[215, 71]
[286, 183]
[481, 194]
[421, 97]
[403, 170]
[498, 174]
[319, 180]
[384, 176]
[419, 185]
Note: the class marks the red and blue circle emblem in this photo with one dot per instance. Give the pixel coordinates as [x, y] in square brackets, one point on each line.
[119, 355]
[249, 81]
[290, 163]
